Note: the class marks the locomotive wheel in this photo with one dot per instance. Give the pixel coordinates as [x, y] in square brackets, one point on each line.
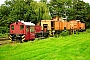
[25, 41]
[18, 41]
[32, 40]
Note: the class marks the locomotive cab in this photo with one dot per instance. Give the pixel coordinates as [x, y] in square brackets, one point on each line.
[21, 30]
[30, 33]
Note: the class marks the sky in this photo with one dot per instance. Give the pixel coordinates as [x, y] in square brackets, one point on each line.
[2, 1]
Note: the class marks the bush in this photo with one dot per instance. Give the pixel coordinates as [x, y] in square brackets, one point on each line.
[77, 32]
[4, 30]
[5, 35]
[65, 33]
[88, 30]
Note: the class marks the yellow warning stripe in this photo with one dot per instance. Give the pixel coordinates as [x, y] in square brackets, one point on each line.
[50, 32]
[23, 39]
[23, 36]
[10, 38]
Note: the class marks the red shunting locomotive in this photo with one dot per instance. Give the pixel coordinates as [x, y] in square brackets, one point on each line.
[23, 31]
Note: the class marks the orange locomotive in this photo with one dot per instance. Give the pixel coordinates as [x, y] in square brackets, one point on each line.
[57, 25]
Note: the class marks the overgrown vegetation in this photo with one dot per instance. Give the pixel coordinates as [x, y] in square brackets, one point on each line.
[73, 47]
[64, 33]
[5, 35]
[4, 30]
[87, 30]
[30, 10]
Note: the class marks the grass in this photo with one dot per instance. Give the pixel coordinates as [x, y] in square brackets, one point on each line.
[73, 47]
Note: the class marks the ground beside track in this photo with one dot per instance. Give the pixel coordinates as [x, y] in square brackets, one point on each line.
[5, 42]
[73, 47]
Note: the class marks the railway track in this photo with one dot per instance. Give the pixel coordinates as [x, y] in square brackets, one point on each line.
[4, 41]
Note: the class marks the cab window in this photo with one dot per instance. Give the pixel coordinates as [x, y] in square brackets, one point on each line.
[27, 29]
[32, 29]
[21, 27]
[12, 27]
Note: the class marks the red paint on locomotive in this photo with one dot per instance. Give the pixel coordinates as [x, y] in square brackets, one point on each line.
[38, 28]
[15, 28]
[22, 29]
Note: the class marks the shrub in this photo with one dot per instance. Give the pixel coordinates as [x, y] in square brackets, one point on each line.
[4, 30]
[65, 33]
[88, 30]
[77, 32]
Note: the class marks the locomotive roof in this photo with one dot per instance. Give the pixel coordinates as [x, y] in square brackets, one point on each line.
[28, 23]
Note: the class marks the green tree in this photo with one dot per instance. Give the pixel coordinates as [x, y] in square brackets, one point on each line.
[27, 10]
[74, 9]
[43, 1]
[40, 10]
[4, 13]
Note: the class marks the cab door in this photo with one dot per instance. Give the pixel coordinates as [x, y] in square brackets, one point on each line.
[27, 37]
[45, 26]
[32, 32]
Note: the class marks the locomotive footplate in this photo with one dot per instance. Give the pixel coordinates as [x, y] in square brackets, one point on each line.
[17, 37]
[42, 34]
